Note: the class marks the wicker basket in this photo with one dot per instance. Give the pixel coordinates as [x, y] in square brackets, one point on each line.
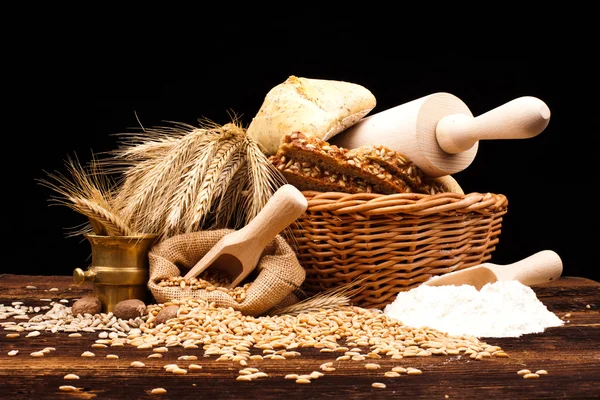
[395, 242]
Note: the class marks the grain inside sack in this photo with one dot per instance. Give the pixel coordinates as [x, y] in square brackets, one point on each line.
[275, 282]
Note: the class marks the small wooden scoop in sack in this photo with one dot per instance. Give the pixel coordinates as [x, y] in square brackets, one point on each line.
[238, 253]
[541, 267]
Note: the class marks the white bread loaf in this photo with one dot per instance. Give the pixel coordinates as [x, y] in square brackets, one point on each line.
[316, 107]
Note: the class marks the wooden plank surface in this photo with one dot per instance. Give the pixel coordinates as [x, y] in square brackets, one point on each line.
[570, 354]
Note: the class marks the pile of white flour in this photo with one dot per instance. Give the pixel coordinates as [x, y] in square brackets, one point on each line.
[499, 309]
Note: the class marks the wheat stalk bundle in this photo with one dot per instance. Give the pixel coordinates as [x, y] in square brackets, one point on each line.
[172, 180]
[180, 178]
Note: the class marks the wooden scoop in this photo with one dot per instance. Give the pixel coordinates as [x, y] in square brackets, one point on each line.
[238, 252]
[538, 268]
[439, 133]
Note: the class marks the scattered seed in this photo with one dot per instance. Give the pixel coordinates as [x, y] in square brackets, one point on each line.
[259, 374]
[245, 378]
[33, 334]
[67, 388]
[371, 366]
[170, 367]
[99, 346]
[302, 380]
[137, 364]
[37, 354]
[588, 306]
[194, 367]
[12, 335]
[400, 370]
[530, 376]
[112, 356]
[158, 391]
[13, 352]
[523, 372]
[75, 334]
[71, 376]
[155, 355]
[160, 349]
[186, 358]
[291, 376]
[88, 354]
[378, 385]
[30, 287]
[54, 289]
[413, 371]
[316, 375]
[541, 372]
[391, 374]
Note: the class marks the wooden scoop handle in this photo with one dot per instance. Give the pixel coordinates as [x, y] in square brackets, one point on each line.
[541, 267]
[521, 118]
[241, 249]
[283, 208]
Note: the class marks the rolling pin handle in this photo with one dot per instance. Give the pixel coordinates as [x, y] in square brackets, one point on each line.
[521, 118]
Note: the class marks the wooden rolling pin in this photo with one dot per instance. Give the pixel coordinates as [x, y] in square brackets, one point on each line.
[439, 133]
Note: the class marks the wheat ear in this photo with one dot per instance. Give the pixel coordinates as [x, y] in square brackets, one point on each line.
[113, 224]
[230, 211]
[89, 185]
[206, 194]
[335, 298]
[264, 178]
[146, 191]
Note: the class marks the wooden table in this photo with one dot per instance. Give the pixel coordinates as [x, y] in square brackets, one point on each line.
[570, 354]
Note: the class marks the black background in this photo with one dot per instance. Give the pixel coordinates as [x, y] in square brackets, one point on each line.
[75, 100]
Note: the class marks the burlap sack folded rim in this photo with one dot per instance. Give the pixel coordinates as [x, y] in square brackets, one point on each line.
[277, 277]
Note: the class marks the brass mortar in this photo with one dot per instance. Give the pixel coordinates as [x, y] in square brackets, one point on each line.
[119, 269]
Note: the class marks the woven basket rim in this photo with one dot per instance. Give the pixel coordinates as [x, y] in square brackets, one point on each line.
[340, 203]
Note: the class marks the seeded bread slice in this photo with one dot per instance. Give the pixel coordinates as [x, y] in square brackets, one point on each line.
[398, 165]
[310, 163]
[301, 155]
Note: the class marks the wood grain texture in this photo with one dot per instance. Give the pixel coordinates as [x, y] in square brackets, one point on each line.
[570, 354]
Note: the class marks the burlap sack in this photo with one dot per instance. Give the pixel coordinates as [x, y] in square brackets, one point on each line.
[279, 274]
